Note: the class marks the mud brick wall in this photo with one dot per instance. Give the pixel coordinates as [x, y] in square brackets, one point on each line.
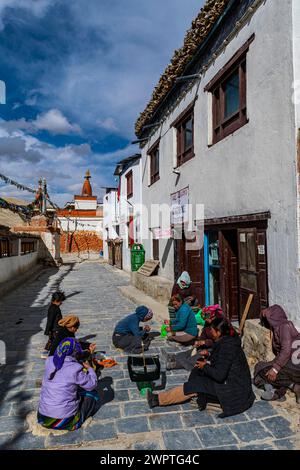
[80, 242]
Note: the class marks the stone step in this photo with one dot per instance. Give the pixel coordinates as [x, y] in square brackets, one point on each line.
[140, 298]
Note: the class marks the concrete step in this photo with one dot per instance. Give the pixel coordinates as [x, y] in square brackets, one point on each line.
[140, 298]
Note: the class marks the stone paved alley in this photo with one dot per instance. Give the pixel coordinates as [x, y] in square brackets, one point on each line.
[126, 421]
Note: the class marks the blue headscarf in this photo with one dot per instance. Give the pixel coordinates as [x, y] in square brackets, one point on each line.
[67, 347]
[144, 313]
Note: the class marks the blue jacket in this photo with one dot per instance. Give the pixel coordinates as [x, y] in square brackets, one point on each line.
[130, 325]
[185, 321]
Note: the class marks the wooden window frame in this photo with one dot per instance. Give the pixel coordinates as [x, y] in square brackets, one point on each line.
[130, 227]
[184, 155]
[27, 247]
[224, 126]
[5, 249]
[129, 182]
[154, 172]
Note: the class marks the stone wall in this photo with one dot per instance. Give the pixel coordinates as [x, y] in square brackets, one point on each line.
[80, 242]
[157, 287]
[257, 342]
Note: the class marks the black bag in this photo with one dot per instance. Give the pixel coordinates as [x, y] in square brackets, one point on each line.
[143, 369]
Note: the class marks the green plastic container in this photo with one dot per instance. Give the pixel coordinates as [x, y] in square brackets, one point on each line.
[163, 331]
[199, 318]
[144, 387]
[137, 256]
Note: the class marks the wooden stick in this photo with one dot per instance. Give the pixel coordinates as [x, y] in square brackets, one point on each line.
[245, 314]
[144, 359]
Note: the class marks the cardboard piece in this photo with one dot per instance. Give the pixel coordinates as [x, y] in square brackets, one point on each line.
[148, 267]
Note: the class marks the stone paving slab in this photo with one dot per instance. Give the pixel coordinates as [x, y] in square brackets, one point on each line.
[93, 294]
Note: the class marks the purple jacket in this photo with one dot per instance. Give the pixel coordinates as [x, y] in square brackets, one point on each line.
[284, 336]
[59, 397]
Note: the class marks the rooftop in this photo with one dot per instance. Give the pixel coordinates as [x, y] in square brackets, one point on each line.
[194, 37]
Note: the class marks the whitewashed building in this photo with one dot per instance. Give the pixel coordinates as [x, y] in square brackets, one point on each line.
[122, 208]
[226, 135]
[81, 222]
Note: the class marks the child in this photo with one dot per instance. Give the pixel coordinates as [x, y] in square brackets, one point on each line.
[54, 315]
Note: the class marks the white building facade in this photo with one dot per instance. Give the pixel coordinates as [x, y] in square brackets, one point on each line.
[81, 222]
[227, 141]
[122, 209]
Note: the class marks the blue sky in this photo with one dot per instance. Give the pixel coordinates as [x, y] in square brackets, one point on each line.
[77, 74]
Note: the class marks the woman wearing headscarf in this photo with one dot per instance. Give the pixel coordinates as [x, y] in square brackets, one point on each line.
[184, 287]
[283, 372]
[187, 359]
[222, 377]
[68, 395]
[183, 329]
[67, 327]
[129, 335]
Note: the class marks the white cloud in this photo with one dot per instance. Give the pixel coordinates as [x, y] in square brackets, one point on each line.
[52, 121]
[55, 122]
[108, 124]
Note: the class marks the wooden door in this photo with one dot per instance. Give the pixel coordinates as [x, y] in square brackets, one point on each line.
[118, 255]
[248, 270]
[229, 273]
[111, 252]
[195, 268]
[262, 268]
[190, 260]
[179, 252]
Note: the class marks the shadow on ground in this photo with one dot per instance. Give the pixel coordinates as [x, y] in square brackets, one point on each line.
[21, 314]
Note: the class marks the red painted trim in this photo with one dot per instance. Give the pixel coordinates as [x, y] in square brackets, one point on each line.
[85, 198]
[79, 213]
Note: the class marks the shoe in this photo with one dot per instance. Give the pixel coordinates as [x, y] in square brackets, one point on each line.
[169, 359]
[194, 403]
[38, 383]
[152, 399]
[272, 396]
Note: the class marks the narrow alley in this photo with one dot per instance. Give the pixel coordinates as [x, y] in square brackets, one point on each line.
[125, 421]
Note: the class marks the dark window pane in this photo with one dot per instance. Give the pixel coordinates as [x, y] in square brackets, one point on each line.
[188, 134]
[156, 161]
[232, 94]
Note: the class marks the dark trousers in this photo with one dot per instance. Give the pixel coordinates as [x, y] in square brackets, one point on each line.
[288, 375]
[130, 343]
[90, 403]
[184, 360]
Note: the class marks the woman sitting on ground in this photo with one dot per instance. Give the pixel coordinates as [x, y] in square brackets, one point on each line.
[224, 378]
[187, 359]
[129, 335]
[67, 327]
[68, 395]
[284, 371]
[185, 288]
[184, 328]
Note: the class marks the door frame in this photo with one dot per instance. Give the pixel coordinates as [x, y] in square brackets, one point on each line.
[258, 221]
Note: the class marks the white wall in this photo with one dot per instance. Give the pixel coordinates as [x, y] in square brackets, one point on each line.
[296, 97]
[110, 218]
[88, 224]
[252, 170]
[81, 204]
[15, 265]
